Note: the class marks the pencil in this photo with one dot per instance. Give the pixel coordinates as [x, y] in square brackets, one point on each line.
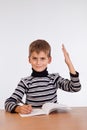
[20, 101]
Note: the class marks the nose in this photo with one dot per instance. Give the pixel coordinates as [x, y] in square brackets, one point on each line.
[38, 61]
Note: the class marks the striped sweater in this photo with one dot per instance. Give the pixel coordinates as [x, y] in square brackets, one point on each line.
[39, 90]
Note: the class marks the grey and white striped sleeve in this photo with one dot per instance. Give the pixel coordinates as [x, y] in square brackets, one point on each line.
[12, 102]
[72, 85]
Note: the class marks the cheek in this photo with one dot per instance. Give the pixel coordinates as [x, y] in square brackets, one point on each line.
[30, 61]
[45, 64]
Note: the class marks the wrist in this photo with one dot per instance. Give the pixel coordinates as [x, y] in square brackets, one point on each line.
[17, 109]
[71, 68]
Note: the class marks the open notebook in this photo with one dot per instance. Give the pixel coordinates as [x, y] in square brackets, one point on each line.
[47, 108]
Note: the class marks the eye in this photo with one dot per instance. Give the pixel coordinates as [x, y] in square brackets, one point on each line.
[34, 58]
[42, 58]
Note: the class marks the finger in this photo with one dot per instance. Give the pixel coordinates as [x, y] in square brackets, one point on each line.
[30, 107]
[63, 48]
[25, 111]
[62, 45]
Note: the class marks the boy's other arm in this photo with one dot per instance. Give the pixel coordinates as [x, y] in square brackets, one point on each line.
[68, 60]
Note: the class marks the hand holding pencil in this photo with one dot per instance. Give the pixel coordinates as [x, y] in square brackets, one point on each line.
[24, 109]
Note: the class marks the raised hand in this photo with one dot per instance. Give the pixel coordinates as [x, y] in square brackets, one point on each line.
[68, 60]
[66, 55]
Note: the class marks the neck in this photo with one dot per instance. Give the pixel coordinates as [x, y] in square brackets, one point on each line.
[43, 73]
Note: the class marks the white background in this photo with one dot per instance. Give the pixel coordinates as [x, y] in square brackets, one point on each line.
[57, 21]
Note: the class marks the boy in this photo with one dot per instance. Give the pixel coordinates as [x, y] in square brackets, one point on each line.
[40, 86]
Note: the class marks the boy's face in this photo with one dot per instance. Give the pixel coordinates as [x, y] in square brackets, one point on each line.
[39, 61]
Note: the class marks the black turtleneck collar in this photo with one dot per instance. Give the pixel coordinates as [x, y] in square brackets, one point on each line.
[43, 73]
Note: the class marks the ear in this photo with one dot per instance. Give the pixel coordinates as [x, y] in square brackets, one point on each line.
[49, 60]
[29, 59]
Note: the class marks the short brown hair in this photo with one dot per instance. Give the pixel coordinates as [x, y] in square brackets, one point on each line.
[40, 45]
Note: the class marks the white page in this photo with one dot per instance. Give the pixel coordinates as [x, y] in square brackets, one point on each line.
[33, 113]
[49, 107]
